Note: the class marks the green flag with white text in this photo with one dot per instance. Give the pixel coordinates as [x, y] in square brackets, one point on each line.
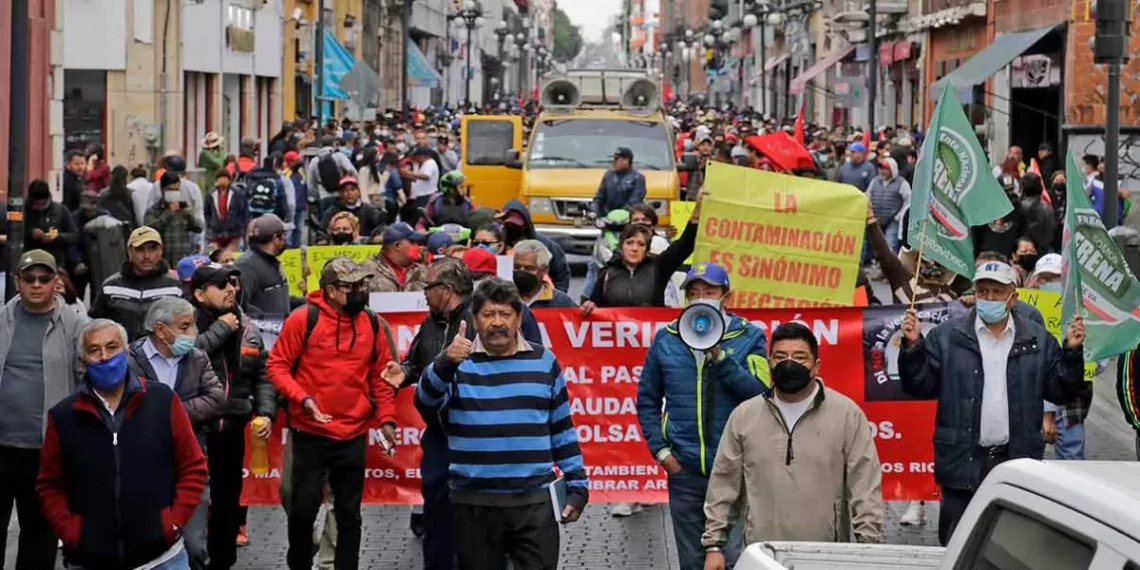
[953, 189]
[1098, 283]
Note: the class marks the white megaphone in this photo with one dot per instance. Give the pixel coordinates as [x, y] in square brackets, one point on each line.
[701, 325]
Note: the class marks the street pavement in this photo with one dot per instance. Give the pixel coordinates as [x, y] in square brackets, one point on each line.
[643, 541]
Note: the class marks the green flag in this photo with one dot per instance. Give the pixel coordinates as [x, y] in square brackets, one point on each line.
[953, 189]
[1098, 283]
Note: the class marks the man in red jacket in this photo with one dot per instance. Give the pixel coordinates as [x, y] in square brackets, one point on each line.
[121, 470]
[328, 363]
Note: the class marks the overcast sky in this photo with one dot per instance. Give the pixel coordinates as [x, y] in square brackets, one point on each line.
[592, 16]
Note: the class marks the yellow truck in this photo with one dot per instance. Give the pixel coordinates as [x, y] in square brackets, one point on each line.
[586, 115]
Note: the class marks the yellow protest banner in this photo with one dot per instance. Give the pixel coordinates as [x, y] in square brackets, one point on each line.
[319, 254]
[291, 266]
[786, 241]
[679, 214]
[1049, 304]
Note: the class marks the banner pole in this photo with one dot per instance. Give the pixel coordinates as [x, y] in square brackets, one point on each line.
[918, 268]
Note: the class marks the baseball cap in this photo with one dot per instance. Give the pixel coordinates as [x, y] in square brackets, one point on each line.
[188, 264]
[291, 157]
[36, 257]
[341, 269]
[995, 271]
[709, 273]
[1049, 263]
[210, 274]
[705, 139]
[856, 147]
[479, 260]
[265, 227]
[623, 152]
[457, 232]
[349, 179]
[437, 241]
[401, 231]
[144, 235]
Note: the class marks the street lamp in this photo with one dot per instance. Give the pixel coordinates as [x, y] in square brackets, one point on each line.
[521, 44]
[761, 13]
[472, 19]
[502, 32]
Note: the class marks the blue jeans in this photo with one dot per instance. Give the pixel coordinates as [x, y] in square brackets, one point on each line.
[181, 561]
[687, 507]
[891, 232]
[592, 271]
[1070, 442]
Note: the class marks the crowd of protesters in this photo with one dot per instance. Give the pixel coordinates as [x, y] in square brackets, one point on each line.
[140, 462]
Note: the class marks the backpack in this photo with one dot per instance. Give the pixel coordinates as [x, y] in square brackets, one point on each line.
[261, 190]
[328, 171]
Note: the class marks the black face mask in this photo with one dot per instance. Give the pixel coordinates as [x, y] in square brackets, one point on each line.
[1028, 261]
[790, 376]
[526, 282]
[355, 302]
[341, 238]
[514, 233]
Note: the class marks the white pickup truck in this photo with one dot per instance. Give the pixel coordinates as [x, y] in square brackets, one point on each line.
[1027, 515]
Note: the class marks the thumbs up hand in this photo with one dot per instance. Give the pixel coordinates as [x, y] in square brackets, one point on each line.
[460, 347]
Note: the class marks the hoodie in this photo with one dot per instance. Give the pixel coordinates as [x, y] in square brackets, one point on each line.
[336, 369]
[888, 195]
[559, 268]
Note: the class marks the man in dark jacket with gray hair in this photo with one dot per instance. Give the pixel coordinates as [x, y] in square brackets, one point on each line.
[167, 356]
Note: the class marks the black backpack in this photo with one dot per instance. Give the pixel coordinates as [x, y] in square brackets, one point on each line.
[329, 171]
[261, 190]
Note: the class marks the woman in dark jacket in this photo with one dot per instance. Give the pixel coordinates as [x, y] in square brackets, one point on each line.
[634, 278]
[116, 199]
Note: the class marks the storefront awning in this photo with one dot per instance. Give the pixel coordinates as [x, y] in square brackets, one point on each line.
[337, 63]
[421, 73]
[987, 62]
[799, 84]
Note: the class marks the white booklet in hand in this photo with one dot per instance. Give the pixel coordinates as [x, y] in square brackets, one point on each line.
[558, 497]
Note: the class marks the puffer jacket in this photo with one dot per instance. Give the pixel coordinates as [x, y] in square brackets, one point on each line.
[126, 296]
[196, 385]
[645, 285]
[559, 267]
[238, 358]
[698, 401]
[946, 365]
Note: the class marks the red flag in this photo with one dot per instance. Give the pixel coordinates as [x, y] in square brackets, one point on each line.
[1034, 168]
[799, 136]
[867, 139]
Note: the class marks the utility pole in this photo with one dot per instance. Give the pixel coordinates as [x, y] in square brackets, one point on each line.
[873, 65]
[405, 21]
[17, 141]
[1113, 19]
[763, 66]
[319, 63]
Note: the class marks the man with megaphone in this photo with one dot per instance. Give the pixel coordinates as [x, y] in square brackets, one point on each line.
[699, 368]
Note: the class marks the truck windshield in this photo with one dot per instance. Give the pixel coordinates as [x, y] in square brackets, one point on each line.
[590, 143]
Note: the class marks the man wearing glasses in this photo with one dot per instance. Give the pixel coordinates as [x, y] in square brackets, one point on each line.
[237, 353]
[38, 368]
[329, 363]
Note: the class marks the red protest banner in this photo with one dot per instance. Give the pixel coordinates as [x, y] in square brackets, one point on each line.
[601, 358]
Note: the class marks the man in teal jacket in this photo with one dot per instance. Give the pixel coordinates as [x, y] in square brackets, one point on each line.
[699, 390]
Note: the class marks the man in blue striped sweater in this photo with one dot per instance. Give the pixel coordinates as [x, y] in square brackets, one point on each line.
[509, 425]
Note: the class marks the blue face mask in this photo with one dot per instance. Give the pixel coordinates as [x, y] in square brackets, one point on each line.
[1054, 286]
[488, 248]
[109, 373]
[182, 345]
[991, 311]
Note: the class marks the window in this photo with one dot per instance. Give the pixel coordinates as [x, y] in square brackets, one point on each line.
[590, 143]
[241, 17]
[84, 108]
[1018, 542]
[488, 142]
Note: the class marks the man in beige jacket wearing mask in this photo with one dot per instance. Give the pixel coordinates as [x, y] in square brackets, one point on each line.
[788, 458]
